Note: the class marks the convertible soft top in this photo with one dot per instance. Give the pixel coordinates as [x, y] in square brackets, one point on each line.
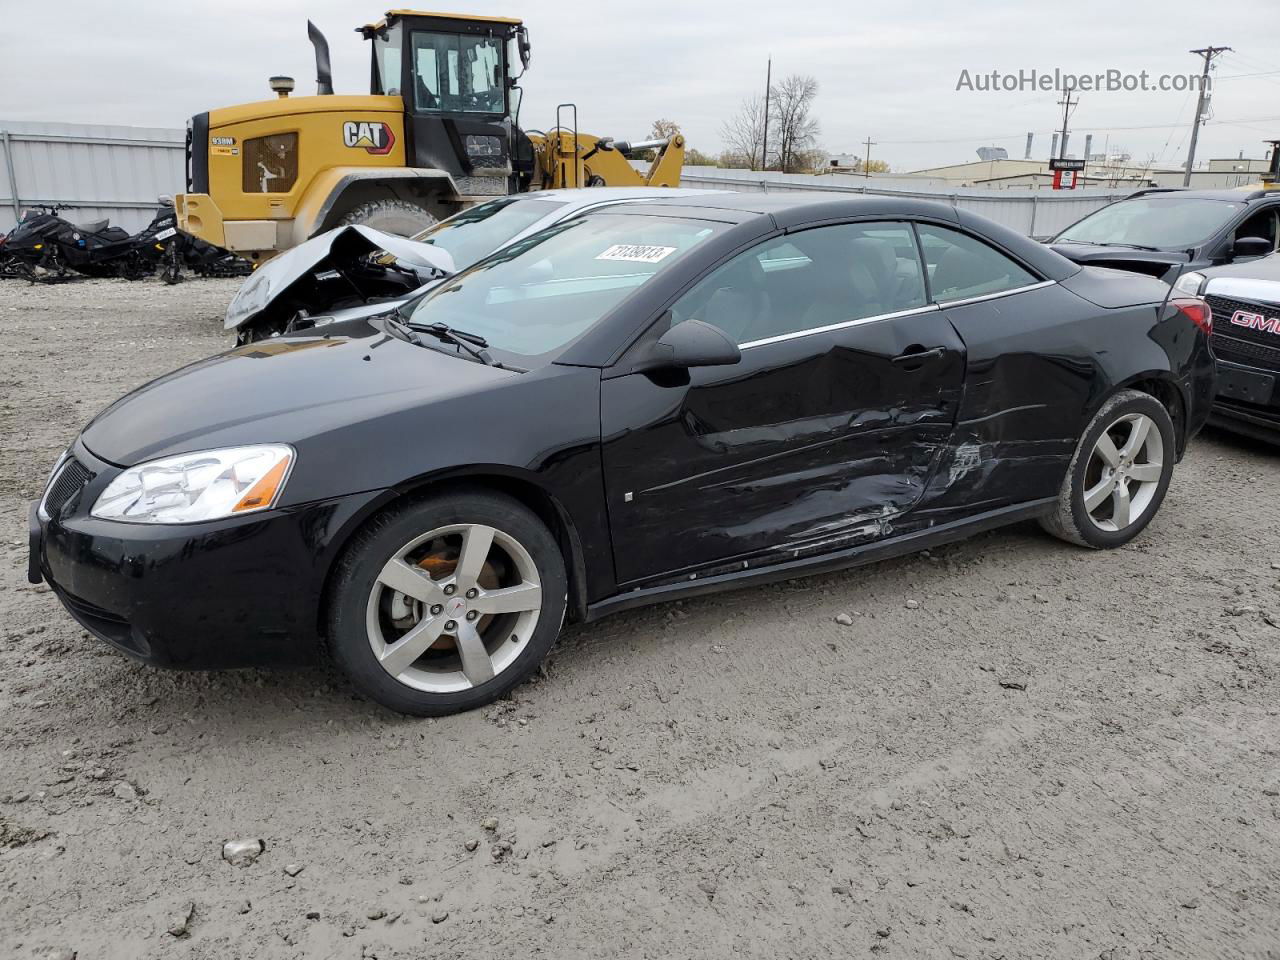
[793, 212]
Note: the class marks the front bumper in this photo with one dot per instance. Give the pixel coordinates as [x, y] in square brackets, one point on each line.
[200, 217]
[239, 592]
[1247, 401]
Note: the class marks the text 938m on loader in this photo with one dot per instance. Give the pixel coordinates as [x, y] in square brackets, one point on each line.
[437, 132]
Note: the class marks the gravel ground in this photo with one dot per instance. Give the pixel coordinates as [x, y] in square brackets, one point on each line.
[1050, 753]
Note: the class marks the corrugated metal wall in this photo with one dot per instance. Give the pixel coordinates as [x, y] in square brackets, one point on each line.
[1035, 213]
[96, 171]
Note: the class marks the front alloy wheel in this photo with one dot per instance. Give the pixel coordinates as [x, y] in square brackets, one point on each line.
[445, 604]
[453, 608]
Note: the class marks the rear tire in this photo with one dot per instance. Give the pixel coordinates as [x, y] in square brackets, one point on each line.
[400, 217]
[445, 604]
[1118, 475]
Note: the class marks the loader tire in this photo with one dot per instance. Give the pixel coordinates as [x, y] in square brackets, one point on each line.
[400, 217]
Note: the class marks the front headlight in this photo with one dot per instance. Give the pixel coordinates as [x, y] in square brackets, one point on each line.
[198, 486]
[1189, 283]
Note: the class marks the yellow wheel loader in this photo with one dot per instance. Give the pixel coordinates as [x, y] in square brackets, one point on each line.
[437, 132]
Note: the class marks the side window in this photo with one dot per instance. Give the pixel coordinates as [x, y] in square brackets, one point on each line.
[458, 74]
[811, 279]
[1262, 224]
[386, 58]
[961, 266]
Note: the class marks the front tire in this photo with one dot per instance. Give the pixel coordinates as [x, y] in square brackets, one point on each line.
[1119, 474]
[400, 217]
[445, 604]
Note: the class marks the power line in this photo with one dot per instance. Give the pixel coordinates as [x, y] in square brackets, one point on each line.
[1173, 127]
[1019, 137]
[1259, 70]
[1241, 76]
[1249, 63]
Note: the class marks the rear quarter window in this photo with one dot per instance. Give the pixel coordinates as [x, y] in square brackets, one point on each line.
[960, 266]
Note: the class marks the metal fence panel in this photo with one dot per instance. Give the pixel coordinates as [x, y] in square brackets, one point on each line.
[97, 171]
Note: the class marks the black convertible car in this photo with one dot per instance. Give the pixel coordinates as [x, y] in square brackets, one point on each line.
[634, 405]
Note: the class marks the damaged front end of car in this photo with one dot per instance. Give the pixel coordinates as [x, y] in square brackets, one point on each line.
[341, 274]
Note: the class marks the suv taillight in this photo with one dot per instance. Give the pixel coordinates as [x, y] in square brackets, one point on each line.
[1196, 310]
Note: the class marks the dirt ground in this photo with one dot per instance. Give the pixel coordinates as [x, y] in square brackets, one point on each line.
[1050, 753]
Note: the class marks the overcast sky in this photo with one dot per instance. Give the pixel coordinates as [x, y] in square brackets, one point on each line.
[887, 71]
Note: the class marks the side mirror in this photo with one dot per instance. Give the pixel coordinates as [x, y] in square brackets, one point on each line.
[1251, 247]
[522, 44]
[690, 343]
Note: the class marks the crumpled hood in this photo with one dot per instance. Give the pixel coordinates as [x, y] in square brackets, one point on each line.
[282, 390]
[1154, 263]
[274, 278]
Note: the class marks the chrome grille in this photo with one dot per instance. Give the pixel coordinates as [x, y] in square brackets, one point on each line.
[1239, 344]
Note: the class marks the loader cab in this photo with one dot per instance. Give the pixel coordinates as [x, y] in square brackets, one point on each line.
[456, 75]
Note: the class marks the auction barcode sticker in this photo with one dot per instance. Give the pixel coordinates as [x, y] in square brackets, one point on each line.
[636, 252]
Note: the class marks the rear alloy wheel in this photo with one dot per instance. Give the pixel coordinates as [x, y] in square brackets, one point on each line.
[1119, 474]
[447, 604]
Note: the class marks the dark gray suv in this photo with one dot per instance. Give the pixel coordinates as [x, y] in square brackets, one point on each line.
[1165, 232]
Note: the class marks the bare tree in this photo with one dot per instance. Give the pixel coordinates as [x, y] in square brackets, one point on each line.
[663, 129]
[743, 134]
[795, 129]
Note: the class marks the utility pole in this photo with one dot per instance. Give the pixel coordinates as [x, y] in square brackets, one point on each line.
[1066, 105]
[866, 164]
[768, 88]
[1208, 53]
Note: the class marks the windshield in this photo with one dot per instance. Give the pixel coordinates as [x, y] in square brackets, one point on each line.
[458, 74]
[476, 233]
[541, 293]
[1166, 221]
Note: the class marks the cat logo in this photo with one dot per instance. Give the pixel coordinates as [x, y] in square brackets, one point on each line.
[376, 138]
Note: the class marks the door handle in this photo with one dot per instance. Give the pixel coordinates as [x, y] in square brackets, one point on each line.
[918, 354]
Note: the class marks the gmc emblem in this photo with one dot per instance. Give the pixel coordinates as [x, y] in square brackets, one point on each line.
[376, 138]
[1256, 321]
